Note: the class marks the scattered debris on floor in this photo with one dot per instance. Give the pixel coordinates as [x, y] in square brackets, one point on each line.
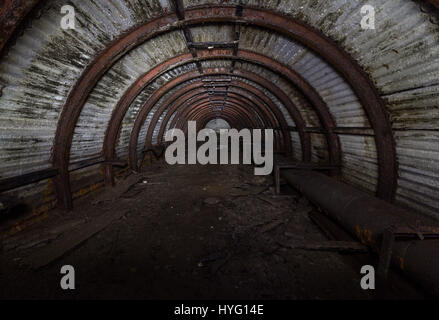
[153, 236]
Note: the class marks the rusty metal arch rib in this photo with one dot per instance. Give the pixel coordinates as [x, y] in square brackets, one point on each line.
[288, 26]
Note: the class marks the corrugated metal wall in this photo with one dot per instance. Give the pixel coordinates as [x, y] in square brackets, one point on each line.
[401, 57]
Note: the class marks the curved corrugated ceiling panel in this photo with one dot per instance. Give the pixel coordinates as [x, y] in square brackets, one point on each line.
[342, 102]
[405, 47]
[43, 66]
[92, 124]
[130, 116]
[401, 57]
[307, 112]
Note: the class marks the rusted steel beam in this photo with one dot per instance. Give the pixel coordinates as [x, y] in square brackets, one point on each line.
[205, 103]
[368, 218]
[240, 124]
[85, 163]
[26, 179]
[293, 111]
[355, 131]
[179, 8]
[79, 93]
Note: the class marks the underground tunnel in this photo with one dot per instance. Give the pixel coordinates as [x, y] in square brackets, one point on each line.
[340, 97]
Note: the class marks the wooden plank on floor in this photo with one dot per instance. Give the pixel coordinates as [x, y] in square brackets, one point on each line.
[73, 238]
[336, 246]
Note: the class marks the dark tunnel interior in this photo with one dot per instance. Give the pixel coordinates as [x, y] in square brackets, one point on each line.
[207, 149]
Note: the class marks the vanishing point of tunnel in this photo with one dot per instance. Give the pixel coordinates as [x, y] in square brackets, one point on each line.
[219, 149]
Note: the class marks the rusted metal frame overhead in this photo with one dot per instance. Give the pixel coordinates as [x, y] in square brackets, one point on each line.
[183, 96]
[179, 11]
[311, 95]
[179, 103]
[146, 108]
[175, 107]
[185, 115]
[306, 145]
[305, 137]
[341, 61]
[328, 49]
[358, 79]
[80, 91]
[197, 113]
[180, 121]
[261, 60]
[291, 111]
[258, 98]
[13, 12]
[208, 115]
[130, 95]
[235, 122]
[213, 116]
[302, 85]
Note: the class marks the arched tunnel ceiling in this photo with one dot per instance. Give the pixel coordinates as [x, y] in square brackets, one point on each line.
[325, 115]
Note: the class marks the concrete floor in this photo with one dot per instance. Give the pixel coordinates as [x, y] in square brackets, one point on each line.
[187, 232]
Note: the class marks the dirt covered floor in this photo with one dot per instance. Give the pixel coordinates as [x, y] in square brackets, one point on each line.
[182, 232]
